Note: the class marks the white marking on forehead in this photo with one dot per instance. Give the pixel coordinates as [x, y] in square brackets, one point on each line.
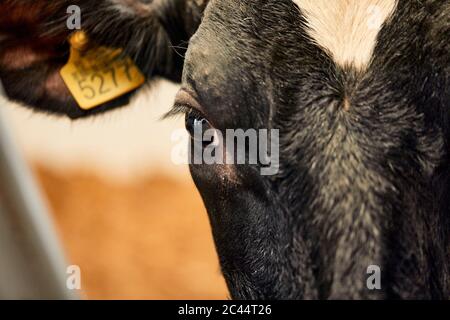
[348, 29]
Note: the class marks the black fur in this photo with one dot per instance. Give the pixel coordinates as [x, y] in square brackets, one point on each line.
[357, 187]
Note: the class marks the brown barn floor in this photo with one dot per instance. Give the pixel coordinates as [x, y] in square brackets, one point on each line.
[146, 240]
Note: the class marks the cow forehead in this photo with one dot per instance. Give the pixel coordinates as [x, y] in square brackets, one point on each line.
[347, 29]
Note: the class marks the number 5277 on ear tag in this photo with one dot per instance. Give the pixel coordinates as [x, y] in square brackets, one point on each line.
[99, 74]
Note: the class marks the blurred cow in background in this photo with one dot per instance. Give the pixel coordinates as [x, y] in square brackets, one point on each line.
[359, 90]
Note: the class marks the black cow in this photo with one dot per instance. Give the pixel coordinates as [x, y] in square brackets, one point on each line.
[359, 91]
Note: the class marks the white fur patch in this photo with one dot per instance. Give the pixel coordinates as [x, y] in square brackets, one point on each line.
[133, 7]
[347, 29]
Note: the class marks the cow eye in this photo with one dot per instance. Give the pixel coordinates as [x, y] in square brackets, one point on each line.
[199, 128]
[196, 125]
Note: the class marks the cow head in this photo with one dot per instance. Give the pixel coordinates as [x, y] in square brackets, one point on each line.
[360, 106]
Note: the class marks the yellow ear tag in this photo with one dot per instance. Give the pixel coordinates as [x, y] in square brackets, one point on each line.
[99, 74]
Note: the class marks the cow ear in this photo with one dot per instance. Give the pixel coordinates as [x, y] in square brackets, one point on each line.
[31, 55]
[155, 34]
[34, 45]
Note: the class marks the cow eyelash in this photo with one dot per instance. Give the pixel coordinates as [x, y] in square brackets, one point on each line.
[179, 110]
[184, 110]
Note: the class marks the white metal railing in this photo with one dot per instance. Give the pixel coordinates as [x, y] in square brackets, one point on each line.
[32, 264]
